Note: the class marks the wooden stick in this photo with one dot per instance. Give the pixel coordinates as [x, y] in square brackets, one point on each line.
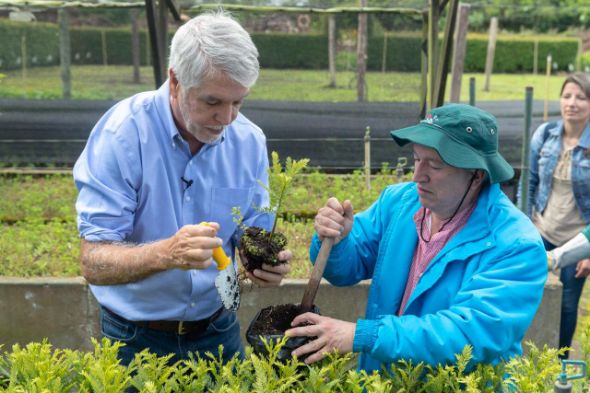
[316, 275]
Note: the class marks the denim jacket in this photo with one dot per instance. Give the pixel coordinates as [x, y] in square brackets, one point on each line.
[545, 150]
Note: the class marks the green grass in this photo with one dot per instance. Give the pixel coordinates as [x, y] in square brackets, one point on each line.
[114, 82]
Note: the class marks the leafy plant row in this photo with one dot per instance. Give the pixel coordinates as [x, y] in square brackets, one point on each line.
[39, 237]
[38, 367]
[54, 196]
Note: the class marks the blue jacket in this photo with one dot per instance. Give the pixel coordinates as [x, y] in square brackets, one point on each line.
[546, 147]
[482, 289]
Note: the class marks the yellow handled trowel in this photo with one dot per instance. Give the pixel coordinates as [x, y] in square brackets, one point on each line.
[226, 282]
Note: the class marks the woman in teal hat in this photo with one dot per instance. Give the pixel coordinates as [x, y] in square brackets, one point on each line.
[449, 255]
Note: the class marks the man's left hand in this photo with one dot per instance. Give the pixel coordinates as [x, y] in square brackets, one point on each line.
[583, 268]
[330, 335]
[271, 276]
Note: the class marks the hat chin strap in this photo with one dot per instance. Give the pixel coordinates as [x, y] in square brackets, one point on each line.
[453, 216]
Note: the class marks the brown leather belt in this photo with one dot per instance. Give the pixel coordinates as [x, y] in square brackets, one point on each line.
[178, 327]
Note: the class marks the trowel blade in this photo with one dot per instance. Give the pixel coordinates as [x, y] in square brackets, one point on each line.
[228, 287]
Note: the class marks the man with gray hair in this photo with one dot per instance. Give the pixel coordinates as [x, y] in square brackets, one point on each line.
[155, 166]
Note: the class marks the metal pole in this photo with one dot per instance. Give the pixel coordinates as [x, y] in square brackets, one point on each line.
[524, 167]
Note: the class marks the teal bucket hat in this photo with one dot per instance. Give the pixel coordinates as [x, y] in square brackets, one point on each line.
[464, 136]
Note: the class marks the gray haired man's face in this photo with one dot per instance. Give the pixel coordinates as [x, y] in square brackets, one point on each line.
[206, 110]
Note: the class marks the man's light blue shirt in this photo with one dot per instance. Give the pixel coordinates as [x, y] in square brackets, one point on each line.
[129, 178]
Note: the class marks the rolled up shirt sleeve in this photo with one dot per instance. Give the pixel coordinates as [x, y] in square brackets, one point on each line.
[107, 187]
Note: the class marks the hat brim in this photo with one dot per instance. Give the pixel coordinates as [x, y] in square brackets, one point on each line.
[454, 153]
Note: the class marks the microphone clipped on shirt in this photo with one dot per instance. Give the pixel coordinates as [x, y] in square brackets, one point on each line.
[186, 182]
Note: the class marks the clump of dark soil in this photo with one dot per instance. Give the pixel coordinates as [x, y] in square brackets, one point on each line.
[270, 324]
[275, 320]
[258, 247]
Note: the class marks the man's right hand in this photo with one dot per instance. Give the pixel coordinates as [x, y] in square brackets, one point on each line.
[334, 220]
[192, 246]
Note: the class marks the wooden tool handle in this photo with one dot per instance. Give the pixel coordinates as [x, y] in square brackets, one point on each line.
[316, 275]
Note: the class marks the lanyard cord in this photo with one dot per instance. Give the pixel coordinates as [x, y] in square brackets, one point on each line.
[447, 221]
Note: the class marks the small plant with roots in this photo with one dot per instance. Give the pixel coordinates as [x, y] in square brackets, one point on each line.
[257, 245]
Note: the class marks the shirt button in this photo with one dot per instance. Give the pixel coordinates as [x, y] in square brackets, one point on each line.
[188, 198]
[488, 244]
[193, 304]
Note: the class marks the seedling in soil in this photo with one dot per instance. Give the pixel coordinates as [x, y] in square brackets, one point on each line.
[257, 245]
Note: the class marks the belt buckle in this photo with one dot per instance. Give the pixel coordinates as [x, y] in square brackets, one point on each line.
[181, 330]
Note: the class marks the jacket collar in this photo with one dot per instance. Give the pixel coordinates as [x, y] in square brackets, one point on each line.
[476, 232]
[584, 141]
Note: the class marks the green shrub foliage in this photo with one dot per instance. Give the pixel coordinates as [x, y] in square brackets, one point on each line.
[277, 50]
[514, 54]
[42, 44]
[281, 50]
[39, 367]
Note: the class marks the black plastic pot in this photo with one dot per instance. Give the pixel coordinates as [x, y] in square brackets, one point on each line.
[255, 339]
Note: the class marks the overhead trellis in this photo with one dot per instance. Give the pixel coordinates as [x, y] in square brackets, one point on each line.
[202, 7]
[435, 59]
[40, 4]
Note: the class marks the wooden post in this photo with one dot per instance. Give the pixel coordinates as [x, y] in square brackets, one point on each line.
[384, 54]
[148, 50]
[361, 55]
[65, 53]
[547, 76]
[163, 36]
[433, 16]
[459, 52]
[491, 51]
[103, 39]
[424, 91]
[367, 140]
[579, 55]
[442, 71]
[135, 46]
[472, 91]
[23, 54]
[332, 49]
[535, 57]
[150, 10]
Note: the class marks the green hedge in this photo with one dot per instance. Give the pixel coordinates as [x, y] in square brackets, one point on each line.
[513, 54]
[281, 50]
[278, 50]
[516, 54]
[403, 52]
[87, 46]
[42, 43]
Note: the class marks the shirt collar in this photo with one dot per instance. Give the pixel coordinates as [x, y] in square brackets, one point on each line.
[163, 104]
[456, 222]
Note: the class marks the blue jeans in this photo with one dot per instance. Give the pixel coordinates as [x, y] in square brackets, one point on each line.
[570, 298]
[225, 330]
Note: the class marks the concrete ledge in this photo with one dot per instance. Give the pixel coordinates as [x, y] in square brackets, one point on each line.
[65, 312]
